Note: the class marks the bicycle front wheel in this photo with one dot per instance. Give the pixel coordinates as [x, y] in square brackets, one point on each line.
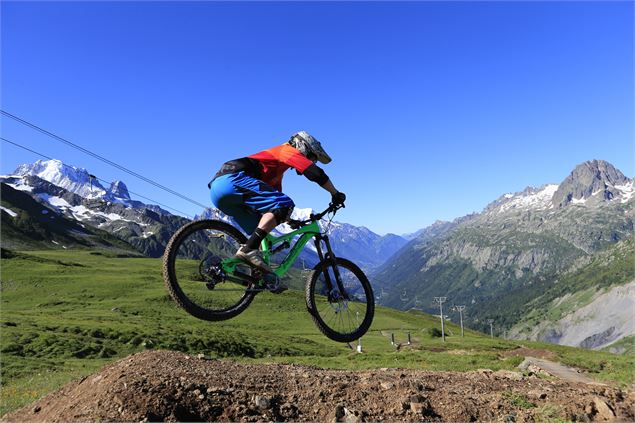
[342, 311]
[194, 277]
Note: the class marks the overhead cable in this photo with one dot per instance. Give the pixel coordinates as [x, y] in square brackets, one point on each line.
[103, 159]
[95, 177]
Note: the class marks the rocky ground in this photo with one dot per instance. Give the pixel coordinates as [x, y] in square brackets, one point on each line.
[171, 386]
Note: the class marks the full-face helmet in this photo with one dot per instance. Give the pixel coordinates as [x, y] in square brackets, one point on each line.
[309, 147]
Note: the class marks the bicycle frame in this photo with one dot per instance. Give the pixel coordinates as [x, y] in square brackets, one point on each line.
[307, 233]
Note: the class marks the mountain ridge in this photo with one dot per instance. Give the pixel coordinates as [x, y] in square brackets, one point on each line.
[516, 246]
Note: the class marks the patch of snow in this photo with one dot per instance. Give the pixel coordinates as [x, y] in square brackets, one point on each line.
[80, 210]
[11, 212]
[19, 185]
[301, 214]
[578, 201]
[627, 191]
[535, 199]
[45, 211]
[115, 217]
[110, 216]
[147, 234]
[47, 198]
[58, 202]
[55, 242]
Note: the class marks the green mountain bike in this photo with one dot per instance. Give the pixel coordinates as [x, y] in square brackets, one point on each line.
[204, 278]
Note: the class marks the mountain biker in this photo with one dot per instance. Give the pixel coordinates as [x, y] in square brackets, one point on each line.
[249, 189]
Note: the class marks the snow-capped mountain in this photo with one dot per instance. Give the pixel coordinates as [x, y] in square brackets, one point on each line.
[590, 184]
[77, 181]
[72, 179]
[74, 193]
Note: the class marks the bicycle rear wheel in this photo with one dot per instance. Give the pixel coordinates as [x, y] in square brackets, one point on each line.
[194, 277]
[342, 316]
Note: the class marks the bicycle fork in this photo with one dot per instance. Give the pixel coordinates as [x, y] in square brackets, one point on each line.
[330, 257]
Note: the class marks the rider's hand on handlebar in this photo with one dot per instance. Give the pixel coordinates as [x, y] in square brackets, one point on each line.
[338, 199]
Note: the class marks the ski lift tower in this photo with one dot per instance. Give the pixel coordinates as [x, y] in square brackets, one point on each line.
[460, 310]
[440, 301]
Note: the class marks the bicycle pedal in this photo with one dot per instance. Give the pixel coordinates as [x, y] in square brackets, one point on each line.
[274, 284]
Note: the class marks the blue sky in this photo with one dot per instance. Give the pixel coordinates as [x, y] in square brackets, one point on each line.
[430, 110]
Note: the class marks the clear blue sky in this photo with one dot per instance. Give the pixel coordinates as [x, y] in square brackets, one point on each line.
[430, 110]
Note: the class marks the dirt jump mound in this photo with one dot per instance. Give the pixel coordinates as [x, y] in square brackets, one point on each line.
[172, 386]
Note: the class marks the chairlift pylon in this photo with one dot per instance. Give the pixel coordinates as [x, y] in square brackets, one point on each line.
[404, 296]
[90, 179]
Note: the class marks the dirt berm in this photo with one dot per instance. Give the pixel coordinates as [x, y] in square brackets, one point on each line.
[171, 386]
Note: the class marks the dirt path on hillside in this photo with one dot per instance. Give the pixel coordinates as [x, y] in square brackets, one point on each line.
[171, 386]
[558, 370]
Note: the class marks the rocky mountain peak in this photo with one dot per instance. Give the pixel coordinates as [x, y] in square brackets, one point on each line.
[119, 190]
[72, 179]
[530, 198]
[593, 178]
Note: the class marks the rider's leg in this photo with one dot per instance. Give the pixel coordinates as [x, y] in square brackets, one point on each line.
[266, 225]
[269, 220]
[261, 208]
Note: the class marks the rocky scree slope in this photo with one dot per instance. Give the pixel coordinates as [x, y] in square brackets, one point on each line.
[592, 306]
[172, 386]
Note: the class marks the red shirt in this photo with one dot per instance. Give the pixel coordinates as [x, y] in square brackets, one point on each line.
[277, 160]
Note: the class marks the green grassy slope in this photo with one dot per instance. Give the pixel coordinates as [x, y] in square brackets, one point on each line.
[64, 314]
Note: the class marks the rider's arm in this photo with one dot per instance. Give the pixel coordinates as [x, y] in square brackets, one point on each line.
[329, 187]
[317, 175]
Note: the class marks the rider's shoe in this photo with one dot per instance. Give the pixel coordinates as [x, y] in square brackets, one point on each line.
[274, 284]
[253, 258]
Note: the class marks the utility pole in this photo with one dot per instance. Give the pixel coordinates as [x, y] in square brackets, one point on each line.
[460, 310]
[440, 301]
[491, 328]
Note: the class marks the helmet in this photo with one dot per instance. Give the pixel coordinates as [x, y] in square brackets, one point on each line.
[309, 147]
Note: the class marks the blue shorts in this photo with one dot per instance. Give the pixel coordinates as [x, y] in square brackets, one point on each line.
[246, 199]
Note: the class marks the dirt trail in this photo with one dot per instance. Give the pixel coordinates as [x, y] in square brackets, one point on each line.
[171, 386]
[558, 370]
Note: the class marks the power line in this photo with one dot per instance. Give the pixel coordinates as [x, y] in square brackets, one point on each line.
[103, 159]
[95, 177]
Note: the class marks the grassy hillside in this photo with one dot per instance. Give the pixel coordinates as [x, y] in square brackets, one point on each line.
[67, 313]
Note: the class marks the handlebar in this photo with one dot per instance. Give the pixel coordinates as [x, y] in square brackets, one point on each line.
[332, 208]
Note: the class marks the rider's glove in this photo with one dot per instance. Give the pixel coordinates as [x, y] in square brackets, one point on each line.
[338, 198]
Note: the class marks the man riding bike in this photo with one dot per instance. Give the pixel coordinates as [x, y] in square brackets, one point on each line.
[249, 189]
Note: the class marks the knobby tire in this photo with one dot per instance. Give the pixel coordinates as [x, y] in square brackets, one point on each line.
[171, 280]
[313, 309]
